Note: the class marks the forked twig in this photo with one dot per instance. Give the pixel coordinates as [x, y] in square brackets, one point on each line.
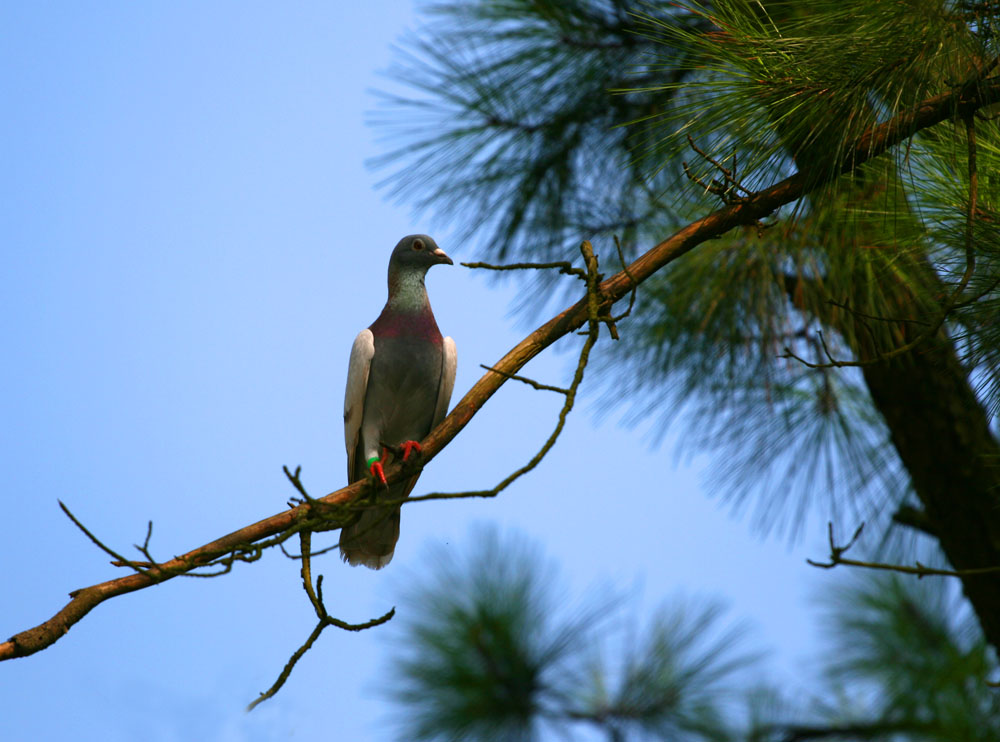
[920, 570]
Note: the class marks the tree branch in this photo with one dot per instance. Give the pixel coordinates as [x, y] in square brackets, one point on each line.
[954, 299]
[872, 143]
[920, 570]
[325, 619]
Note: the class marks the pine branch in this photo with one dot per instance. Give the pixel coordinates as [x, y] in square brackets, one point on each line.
[955, 298]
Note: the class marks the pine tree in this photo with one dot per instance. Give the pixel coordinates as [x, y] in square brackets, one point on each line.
[844, 355]
[487, 652]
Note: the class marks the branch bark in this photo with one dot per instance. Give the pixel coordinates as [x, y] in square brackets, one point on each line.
[871, 144]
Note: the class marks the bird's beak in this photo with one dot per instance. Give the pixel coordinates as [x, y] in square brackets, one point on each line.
[442, 257]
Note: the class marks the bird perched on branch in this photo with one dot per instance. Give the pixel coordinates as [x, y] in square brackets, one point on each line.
[399, 384]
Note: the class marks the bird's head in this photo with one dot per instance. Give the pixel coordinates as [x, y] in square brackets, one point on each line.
[417, 251]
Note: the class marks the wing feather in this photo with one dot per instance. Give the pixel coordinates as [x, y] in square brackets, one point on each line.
[362, 353]
[449, 362]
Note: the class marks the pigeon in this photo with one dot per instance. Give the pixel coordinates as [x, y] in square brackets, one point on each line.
[399, 383]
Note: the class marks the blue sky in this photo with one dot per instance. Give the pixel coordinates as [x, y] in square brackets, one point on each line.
[191, 241]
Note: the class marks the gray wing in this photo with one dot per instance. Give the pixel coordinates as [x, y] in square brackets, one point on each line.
[362, 353]
[449, 362]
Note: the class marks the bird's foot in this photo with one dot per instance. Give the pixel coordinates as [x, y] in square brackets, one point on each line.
[375, 468]
[409, 447]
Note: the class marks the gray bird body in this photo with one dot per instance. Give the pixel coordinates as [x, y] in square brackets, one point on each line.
[399, 383]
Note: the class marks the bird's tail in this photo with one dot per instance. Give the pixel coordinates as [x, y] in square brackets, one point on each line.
[371, 540]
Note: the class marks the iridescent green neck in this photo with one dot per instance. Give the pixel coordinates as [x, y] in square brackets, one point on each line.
[407, 292]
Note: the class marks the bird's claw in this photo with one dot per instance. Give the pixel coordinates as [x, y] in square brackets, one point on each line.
[408, 447]
[377, 473]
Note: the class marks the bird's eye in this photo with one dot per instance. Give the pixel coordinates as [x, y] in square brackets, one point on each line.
[418, 244]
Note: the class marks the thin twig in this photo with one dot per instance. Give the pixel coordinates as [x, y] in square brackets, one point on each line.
[612, 320]
[562, 265]
[920, 570]
[525, 380]
[325, 620]
[857, 313]
[289, 666]
[726, 192]
[106, 549]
